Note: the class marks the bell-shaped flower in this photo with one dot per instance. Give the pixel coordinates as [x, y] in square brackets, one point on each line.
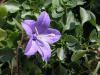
[40, 36]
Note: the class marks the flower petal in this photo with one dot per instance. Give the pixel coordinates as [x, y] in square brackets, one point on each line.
[44, 50]
[50, 36]
[43, 22]
[31, 48]
[28, 26]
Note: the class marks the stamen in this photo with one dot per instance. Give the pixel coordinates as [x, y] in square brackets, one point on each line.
[51, 35]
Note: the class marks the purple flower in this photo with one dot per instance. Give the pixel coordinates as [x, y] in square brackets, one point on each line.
[40, 36]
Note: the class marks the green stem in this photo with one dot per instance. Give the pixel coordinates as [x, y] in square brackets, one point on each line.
[17, 53]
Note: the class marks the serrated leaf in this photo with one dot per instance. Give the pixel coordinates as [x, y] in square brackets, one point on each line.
[12, 7]
[77, 55]
[70, 22]
[3, 34]
[25, 6]
[57, 9]
[73, 3]
[55, 14]
[85, 16]
[71, 40]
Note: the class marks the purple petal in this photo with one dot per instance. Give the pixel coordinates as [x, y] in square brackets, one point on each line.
[31, 48]
[50, 36]
[28, 26]
[44, 50]
[43, 22]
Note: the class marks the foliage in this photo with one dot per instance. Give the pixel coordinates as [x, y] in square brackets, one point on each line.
[76, 53]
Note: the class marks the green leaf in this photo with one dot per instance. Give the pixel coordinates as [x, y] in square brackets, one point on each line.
[57, 25]
[85, 16]
[61, 2]
[60, 70]
[70, 23]
[80, 2]
[73, 3]
[3, 34]
[93, 18]
[25, 6]
[12, 7]
[3, 11]
[55, 3]
[77, 55]
[12, 39]
[79, 31]
[60, 53]
[98, 28]
[55, 14]
[71, 40]
[17, 24]
[93, 36]
[57, 10]
[60, 9]
[6, 54]
[24, 14]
